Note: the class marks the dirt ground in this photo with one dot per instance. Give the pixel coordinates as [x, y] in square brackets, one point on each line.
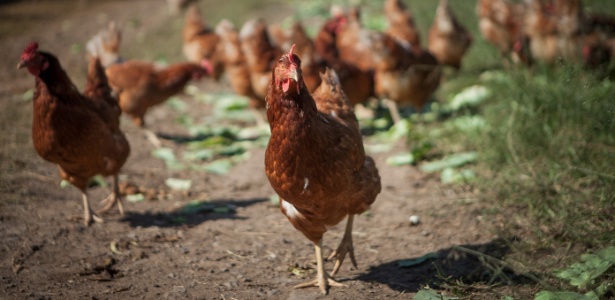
[249, 252]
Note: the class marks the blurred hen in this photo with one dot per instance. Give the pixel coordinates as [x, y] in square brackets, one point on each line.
[78, 132]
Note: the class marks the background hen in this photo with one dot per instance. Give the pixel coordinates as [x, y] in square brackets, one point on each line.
[141, 85]
[315, 161]
[78, 132]
[448, 39]
[200, 41]
[357, 84]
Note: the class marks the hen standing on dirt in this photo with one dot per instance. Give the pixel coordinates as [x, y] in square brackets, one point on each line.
[78, 132]
[316, 163]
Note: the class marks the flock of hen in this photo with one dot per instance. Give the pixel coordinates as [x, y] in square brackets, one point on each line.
[547, 31]
[315, 159]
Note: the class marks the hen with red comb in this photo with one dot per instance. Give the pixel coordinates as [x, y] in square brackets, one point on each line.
[315, 160]
[78, 132]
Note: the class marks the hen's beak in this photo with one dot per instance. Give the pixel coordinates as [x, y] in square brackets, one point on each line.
[21, 64]
[292, 74]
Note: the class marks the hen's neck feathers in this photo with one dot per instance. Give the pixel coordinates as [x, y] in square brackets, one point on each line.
[56, 81]
[300, 108]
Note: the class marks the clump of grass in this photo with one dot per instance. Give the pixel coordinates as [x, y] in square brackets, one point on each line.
[551, 151]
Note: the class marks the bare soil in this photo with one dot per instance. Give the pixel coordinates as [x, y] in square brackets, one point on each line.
[250, 251]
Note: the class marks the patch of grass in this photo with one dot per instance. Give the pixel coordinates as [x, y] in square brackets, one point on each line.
[551, 152]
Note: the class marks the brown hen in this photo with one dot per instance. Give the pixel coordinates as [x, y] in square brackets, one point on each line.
[141, 85]
[401, 25]
[448, 39]
[236, 68]
[78, 132]
[201, 41]
[501, 23]
[315, 161]
[344, 46]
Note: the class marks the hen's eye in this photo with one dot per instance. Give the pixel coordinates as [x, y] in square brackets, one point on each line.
[280, 60]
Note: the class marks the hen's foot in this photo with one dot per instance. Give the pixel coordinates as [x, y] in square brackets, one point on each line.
[113, 198]
[322, 283]
[152, 138]
[89, 216]
[109, 202]
[88, 219]
[345, 247]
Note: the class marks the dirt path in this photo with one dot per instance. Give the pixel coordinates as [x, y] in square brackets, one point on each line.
[246, 251]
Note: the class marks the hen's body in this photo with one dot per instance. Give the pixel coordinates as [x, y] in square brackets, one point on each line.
[79, 133]
[315, 161]
[500, 23]
[354, 44]
[357, 80]
[140, 85]
[403, 77]
[260, 54]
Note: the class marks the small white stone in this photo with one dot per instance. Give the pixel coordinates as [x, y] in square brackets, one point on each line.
[414, 220]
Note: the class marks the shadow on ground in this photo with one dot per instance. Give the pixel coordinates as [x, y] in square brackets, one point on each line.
[191, 214]
[466, 263]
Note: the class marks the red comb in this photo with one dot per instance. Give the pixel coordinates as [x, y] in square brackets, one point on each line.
[33, 46]
[290, 54]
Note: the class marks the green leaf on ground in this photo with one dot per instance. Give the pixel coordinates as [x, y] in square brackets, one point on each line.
[591, 266]
[99, 180]
[177, 104]
[450, 175]
[471, 96]
[165, 154]
[196, 206]
[546, 295]
[274, 200]
[400, 159]
[178, 184]
[220, 166]
[406, 263]
[135, 198]
[451, 161]
[429, 294]
[199, 154]
[28, 95]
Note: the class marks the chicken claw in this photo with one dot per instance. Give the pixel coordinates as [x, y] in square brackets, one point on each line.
[113, 198]
[345, 247]
[324, 286]
[88, 214]
[323, 281]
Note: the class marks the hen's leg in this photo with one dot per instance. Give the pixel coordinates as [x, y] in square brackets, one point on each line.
[152, 138]
[392, 106]
[322, 278]
[113, 198]
[344, 248]
[88, 214]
